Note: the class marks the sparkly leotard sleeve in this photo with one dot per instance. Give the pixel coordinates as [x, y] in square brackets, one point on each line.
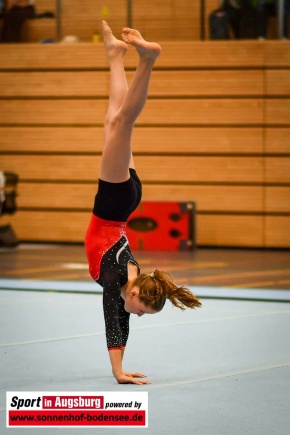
[108, 251]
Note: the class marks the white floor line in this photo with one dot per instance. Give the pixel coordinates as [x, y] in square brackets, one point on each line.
[49, 340]
[136, 328]
[220, 376]
[212, 377]
[217, 319]
[201, 291]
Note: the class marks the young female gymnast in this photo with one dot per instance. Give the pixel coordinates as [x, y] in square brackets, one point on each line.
[111, 263]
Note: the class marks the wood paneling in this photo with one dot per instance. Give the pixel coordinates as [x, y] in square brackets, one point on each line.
[211, 54]
[84, 18]
[200, 54]
[201, 169]
[46, 5]
[278, 111]
[231, 230]
[48, 56]
[54, 84]
[163, 20]
[165, 112]
[277, 140]
[49, 226]
[65, 226]
[47, 112]
[51, 139]
[277, 54]
[201, 140]
[215, 130]
[180, 18]
[49, 168]
[164, 83]
[53, 195]
[206, 83]
[278, 82]
[277, 199]
[208, 198]
[277, 231]
[150, 168]
[277, 170]
[37, 30]
[152, 140]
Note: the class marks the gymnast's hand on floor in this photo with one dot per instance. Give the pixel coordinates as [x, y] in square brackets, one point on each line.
[129, 378]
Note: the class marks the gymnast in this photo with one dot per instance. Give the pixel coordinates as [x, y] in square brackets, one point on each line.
[111, 263]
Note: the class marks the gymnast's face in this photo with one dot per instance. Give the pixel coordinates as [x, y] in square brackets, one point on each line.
[133, 304]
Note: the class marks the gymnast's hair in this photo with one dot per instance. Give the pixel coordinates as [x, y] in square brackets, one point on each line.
[158, 286]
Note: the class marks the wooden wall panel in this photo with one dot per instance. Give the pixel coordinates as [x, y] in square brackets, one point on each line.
[230, 230]
[277, 170]
[167, 112]
[57, 112]
[178, 20]
[212, 54]
[215, 130]
[200, 54]
[165, 20]
[164, 83]
[37, 30]
[150, 168]
[277, 140]
[55, 84]
[46, 5]
[149, 140]
[212, 230]
[199, 140]
[277, 199]
[277, 231]
[83, 18]
[185, 20]
[49, 226]
[277, 55]
[201, 169]
[54, 56]
[207, 83]
[278, 111]
[208, 198]
[56, 196]
[277, 82]
[48, 168]
[203, 112]
[51, 139]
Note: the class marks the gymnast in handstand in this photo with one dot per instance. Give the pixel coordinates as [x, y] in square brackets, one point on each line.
[111, 263]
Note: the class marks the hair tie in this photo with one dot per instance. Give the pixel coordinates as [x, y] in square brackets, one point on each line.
[152, 275]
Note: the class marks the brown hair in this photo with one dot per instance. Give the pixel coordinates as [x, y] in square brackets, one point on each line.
[158, 286]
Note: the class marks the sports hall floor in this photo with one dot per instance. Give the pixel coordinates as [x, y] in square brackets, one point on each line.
[224, 369]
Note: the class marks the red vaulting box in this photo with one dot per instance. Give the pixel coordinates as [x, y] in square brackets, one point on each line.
[168, 226]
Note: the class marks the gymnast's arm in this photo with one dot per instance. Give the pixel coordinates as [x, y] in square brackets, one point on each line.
[117, 327]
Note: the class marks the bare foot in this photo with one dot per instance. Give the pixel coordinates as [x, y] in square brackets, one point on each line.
[113, 46]
[148, 49]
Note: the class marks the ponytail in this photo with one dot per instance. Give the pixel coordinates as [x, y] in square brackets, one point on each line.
[158, 286]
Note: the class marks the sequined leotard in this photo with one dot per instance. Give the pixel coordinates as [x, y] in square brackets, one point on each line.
[108, 251]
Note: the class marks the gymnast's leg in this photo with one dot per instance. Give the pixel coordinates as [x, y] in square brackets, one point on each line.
[116, 51]
[125, 104]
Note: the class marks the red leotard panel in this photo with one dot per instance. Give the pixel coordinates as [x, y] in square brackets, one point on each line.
[100, 237]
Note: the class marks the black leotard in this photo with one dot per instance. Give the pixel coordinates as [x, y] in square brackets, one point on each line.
[109, 253]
